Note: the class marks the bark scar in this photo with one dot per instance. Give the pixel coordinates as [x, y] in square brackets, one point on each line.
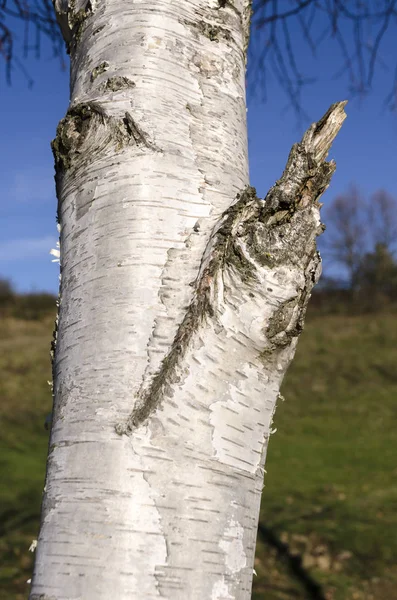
[136, 132]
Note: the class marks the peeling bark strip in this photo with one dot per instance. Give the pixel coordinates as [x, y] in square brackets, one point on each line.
[254, 236]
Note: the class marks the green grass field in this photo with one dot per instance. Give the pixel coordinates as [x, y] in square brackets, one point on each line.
[329, 509]
[331, 486]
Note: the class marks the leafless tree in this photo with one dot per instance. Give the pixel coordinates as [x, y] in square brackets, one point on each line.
[382, 216]
[361, 233]
[347, 235]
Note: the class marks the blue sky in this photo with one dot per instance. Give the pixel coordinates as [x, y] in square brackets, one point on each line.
[365, 149]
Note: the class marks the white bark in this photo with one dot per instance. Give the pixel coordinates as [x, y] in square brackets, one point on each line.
[179, 313]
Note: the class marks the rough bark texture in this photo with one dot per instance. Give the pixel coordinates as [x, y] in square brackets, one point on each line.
[179, 309]
[254, 243]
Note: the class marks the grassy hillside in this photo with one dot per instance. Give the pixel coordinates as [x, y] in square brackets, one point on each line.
[328, 517]
[331, 486]
[25, 399]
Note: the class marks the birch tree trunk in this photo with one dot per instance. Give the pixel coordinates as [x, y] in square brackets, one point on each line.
[182, 297]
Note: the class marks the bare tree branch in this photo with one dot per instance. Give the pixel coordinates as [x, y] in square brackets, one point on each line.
[280, 25]
[283, 23]
[38, 13]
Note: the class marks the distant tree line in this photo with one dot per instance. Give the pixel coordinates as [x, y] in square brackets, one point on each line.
[361, 244]
[30, 306]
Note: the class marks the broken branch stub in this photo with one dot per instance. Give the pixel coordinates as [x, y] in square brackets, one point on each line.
[261, 254]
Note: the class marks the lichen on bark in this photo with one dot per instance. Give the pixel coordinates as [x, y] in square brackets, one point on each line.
[88, 123]
[73, 130]
[77, 18]
[117, 83]
[99, 70]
